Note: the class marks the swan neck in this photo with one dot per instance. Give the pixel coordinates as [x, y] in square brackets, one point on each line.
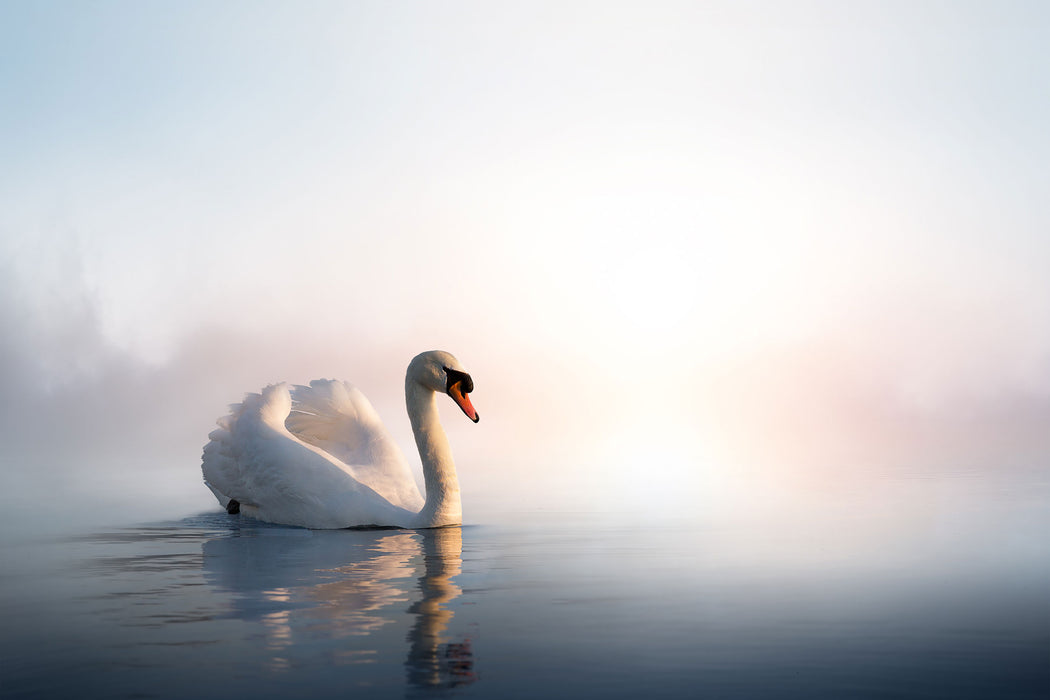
[443, 505]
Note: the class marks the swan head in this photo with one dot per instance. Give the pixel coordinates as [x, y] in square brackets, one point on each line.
[441, 372]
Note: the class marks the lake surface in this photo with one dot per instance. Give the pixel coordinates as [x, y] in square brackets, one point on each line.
[951, 600]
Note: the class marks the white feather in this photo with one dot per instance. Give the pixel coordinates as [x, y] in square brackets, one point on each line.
[319, 456]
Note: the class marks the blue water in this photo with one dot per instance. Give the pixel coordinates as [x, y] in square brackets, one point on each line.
[947, 602]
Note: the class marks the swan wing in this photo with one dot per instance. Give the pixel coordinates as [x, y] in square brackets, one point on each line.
[277, 477]
[336, 417]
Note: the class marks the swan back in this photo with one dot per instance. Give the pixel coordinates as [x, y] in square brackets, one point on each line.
[336, 417]
[276, 476]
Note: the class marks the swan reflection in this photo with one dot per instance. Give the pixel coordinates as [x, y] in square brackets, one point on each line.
[434, 660]
[353, 588]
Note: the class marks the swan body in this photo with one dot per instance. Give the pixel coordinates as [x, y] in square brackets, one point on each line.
[318, 456]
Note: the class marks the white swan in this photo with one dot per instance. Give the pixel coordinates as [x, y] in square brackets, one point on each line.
[320, 457]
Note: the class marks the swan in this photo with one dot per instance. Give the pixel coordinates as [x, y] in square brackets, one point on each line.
[318, 456]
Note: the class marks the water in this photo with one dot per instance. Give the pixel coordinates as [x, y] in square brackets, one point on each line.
[936, 602]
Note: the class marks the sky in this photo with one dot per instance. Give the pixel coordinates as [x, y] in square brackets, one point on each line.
[686, 250]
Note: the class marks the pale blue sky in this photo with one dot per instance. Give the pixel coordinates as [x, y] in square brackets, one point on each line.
[674, 222]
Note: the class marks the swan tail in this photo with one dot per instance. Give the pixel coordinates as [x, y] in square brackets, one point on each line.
[227, 453]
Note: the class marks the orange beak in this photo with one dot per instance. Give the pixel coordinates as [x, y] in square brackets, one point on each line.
[463, 401]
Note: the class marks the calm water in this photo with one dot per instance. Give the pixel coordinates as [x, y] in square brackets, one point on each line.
[949, 601]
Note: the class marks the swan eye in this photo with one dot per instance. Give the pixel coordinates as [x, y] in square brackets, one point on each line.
[454, 377]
